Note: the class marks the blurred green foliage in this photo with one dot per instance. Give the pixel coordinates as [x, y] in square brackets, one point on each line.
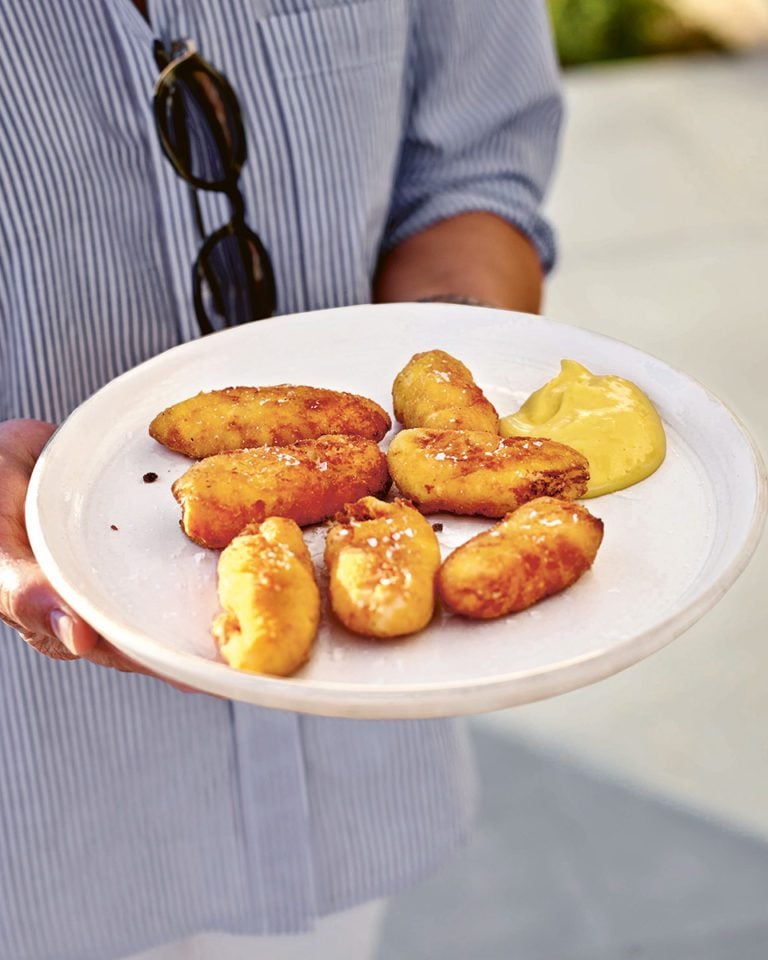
[591, 30]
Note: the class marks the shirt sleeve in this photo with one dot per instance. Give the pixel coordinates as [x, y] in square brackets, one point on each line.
[483, 121]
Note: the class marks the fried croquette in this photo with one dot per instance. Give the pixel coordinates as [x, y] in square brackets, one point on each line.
[307, 481]
[382, 559]
[540, 549]
[470, 472]
[238, 418]
[270, 598]
[436, 390]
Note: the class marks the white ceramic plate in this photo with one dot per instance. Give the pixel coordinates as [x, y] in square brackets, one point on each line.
[673, 543]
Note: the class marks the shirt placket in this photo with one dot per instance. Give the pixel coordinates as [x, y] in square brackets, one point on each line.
[275, 815]
[269, 783]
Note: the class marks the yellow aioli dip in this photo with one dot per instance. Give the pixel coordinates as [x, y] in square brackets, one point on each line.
[607, 419]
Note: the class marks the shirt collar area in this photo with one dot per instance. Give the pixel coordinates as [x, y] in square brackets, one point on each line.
[127, 15]
[167, 21]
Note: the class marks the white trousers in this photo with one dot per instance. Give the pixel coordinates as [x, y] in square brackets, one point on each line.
[352, 933]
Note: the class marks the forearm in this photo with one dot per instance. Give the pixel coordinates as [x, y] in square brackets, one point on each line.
[475, 255]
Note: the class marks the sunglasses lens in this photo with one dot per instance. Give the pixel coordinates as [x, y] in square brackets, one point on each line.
[199, 122]
[234, 282]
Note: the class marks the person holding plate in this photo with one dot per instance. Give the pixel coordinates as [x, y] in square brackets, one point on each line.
[322, 153]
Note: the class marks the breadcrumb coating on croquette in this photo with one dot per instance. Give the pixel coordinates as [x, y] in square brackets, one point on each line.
[539, 549]
[308, 481]
[382, 559]
[478, 473]
[270, 598]
[237, 418]
[436, 390]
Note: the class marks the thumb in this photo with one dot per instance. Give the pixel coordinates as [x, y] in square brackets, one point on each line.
[31, 605]
[76, 635]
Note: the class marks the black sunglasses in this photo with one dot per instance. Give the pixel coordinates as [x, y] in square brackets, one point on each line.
[201, 132]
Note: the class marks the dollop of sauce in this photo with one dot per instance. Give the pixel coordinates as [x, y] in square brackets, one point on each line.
[606, 418]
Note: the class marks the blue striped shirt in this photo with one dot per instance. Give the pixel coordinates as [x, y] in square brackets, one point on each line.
[131, 814]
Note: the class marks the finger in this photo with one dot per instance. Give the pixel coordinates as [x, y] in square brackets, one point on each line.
[75, 634]
[26, 438]
[48, 647]
[30, 604]
[103, 655]
[106, 655]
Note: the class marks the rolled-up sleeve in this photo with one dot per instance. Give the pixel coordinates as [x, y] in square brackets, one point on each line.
[484, 116]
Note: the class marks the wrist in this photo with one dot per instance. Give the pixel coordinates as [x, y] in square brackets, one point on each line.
[455, 298]
[477, 256]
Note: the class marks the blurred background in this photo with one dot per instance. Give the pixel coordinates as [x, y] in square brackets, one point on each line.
[630, 819]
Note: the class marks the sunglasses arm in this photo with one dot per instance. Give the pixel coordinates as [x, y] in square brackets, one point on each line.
[167, 62]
